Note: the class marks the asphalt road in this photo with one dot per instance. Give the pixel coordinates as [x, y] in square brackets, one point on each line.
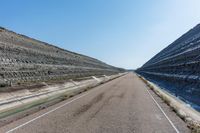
[124, 105]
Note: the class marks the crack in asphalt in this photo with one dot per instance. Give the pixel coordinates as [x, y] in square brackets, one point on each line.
[86, 107]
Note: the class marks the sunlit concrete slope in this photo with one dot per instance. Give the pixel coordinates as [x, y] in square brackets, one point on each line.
[177, 68]
[23, 59]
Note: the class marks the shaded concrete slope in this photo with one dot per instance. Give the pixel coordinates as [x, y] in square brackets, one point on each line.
[23, 59]
[176, 68]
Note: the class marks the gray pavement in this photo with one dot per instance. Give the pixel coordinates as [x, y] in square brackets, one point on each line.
[119, 106]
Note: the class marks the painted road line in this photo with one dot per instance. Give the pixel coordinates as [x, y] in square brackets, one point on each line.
[53, 110]
[171, 123]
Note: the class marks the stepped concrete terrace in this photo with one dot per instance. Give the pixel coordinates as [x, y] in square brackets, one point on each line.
[25, 60]
[177, 68]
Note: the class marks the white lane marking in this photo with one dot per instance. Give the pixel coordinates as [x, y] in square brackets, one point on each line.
[53, 110]
[171, 123]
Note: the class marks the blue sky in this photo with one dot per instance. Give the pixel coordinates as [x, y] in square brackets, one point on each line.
[123, 33]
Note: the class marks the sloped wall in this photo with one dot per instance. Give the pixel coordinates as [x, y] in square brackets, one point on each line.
[177, 67]
[23, 59]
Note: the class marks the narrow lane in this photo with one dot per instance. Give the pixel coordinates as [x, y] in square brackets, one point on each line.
[120, 106]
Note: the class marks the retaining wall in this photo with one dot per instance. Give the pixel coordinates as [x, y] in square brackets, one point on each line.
[177, 68]
[23, 59]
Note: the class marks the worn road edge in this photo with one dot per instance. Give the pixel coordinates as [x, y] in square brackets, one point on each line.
[188, 114]
[26, 109]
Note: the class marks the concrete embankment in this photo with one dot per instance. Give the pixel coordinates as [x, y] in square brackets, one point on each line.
[17, 104]
[187, 113]
[122, 105]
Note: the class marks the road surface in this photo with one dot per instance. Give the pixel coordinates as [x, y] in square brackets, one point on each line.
[123, 105]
